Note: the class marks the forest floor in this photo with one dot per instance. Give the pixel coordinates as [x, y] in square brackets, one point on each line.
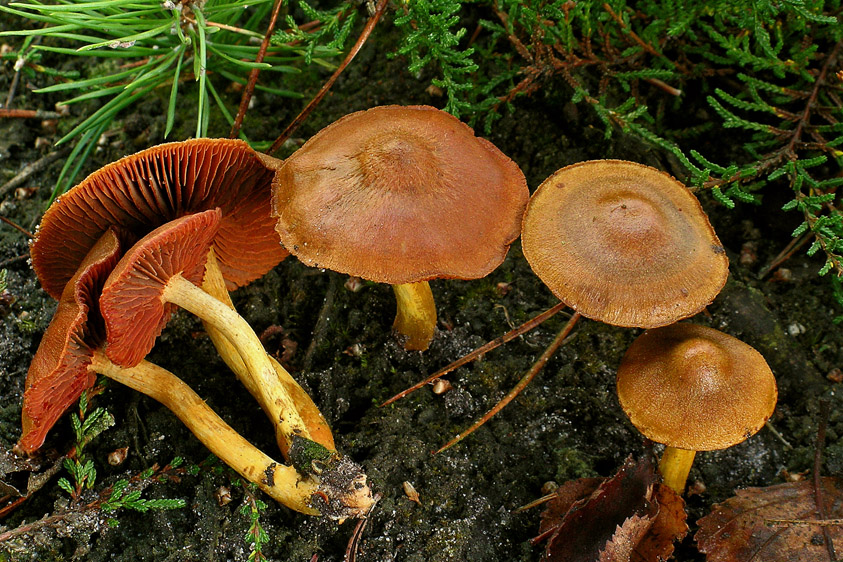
[567, 424]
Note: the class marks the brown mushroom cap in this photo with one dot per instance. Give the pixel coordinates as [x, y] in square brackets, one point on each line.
[692, 387]
[131, 303]
[399, 195]
[59, 370]
[623, 243]
[154, 186]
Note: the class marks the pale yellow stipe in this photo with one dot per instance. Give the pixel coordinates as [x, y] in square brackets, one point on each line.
[279, 481]
[675, 466]
[214, 285]
[415, 317]
[280, 405]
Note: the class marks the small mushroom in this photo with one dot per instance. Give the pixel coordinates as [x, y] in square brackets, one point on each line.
[693, 389]
[400, 195]
[71, 352]
[623, 243]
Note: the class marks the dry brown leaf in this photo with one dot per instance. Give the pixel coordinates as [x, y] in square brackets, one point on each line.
[670, 525]
[612, 520]
[740, 529]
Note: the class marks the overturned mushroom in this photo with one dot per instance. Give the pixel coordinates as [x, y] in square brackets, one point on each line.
[71, 352]
[143, 191]
[400, 195]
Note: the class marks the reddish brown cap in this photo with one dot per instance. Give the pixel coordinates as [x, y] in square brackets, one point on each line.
[147, 189]
[132, 302]
[692, 387]
[623, 243]
[59, 371]
[399, 195]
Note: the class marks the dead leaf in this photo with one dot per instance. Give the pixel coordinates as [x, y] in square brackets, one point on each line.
[616, 519]
[668, 527]
[740, 529]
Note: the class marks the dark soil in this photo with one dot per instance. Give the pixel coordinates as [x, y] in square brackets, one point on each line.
[567, 424]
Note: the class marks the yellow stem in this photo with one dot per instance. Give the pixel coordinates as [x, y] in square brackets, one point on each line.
[280, 405]
[415, 317]
[675, 466]
[214, 285]
[280, 482]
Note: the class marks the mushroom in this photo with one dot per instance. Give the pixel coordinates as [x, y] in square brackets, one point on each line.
[145, 190]
[71, 352]
[694, 388]
[166, 266]
[400, 195]
[623, 243]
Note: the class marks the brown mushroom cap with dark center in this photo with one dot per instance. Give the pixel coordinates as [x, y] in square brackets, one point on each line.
[145, 190]
[695, 388]
[623, 243]
[399, 195]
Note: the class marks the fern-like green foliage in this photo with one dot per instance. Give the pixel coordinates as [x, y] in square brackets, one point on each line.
[324, 39]
[121, 497]
[770, 70]
[429, 40]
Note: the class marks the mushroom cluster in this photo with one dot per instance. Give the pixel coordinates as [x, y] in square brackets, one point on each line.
[137, 238]
[397, 195]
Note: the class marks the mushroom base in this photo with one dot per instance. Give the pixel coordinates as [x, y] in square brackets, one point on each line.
[415, 317]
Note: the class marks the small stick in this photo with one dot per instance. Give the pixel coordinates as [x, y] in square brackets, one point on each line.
[805, 522]
[825, 409]
[522, 384]
[354, 542]
[16, 227]
[370, 25]
[509, 336]
[253, 75]
[778, 435]
[31, 169]
[28, 114]
[785, 254]
[15, 259]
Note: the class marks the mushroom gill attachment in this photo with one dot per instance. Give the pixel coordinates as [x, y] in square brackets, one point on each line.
[694, 388]
[400, 195]
[623, 243]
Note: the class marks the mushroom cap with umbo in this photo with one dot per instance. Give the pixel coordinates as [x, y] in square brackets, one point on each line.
[399, 195]
[59, 371]
[623, 243]
[696, 388]
[145, 190]
[132, 303]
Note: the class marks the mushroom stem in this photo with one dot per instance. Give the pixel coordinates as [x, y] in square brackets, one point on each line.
[675, 466]
[274, 397]
[283, 483]
[214, 284]
[415, 317]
